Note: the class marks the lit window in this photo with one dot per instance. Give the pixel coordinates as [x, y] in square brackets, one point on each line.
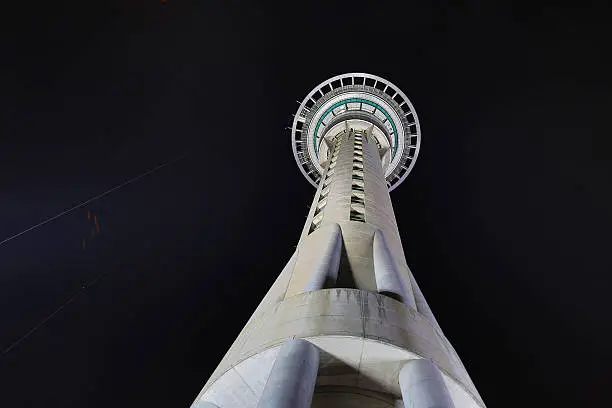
[360, 208]
[357, 216]
[358, 194]
[357, 200]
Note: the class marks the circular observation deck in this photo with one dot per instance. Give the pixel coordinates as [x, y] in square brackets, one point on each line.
[363, 102]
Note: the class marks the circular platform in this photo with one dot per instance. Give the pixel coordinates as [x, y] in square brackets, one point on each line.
[362, 102]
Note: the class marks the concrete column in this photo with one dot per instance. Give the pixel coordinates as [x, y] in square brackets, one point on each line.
[422, 386]
[325, 268]
[388, 280]
[293, 376]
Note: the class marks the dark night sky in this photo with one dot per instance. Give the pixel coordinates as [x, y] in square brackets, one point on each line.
[505, 218]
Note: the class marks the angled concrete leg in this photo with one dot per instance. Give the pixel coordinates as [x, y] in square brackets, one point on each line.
[293, 376]
[388, 280]
[422, 386]
[325, 270]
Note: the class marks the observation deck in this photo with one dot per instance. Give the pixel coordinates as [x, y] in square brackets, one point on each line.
[364, 102]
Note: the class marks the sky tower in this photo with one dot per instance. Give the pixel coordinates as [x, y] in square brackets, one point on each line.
[345, 323]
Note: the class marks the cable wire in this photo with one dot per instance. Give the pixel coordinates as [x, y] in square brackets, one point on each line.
[84, 203]
[81, 291]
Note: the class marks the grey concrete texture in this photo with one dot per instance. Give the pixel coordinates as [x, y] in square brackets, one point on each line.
[357, 237]
[422, 386]
[388, 280]
[364, 332]
[421, 303]
[204, 404]
[324, 268]
[292, 380]
[347, 316]
[347, 397]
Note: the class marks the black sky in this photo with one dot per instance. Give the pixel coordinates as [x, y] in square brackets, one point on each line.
[505, 218]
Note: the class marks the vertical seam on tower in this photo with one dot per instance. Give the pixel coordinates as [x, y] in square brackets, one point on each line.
[360, 356]
[325, 183]
[357, 177]
[362, 315]
[244, 381]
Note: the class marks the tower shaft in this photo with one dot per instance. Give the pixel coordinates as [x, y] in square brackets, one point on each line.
[353, 201]
[345, 323]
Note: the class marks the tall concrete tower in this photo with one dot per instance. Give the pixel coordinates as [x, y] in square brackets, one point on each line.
[345, 324]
